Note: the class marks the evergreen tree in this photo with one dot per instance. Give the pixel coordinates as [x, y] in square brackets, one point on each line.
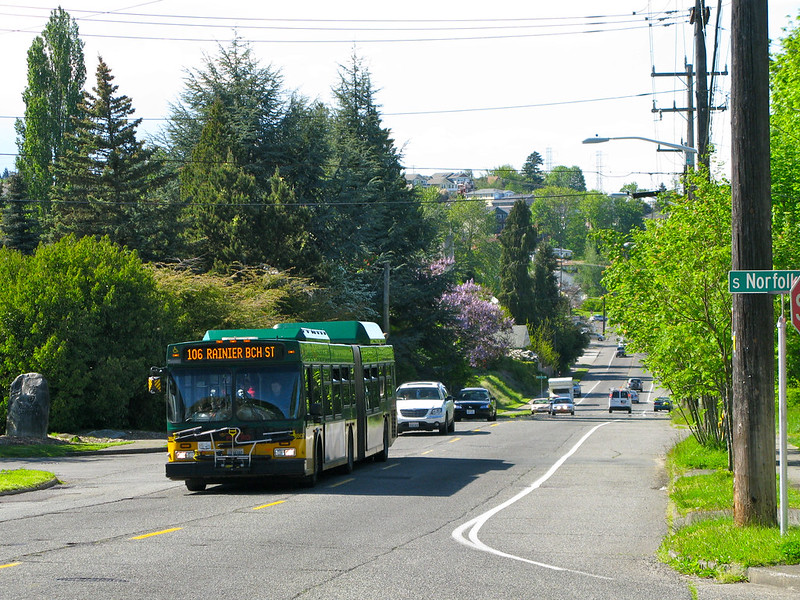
[222, 198]
[372, 216]
[56, 75]
[532, 170]
[547, 301]
[250, 96]
[20, 228]
[107, 172]
[518, 240]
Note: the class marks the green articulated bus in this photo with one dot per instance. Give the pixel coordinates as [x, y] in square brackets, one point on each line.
[293, 401]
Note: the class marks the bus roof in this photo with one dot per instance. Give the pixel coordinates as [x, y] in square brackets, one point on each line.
[336, 332]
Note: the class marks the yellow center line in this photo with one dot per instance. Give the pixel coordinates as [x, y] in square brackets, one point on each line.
[9, 565]
[270, 504]
[494, 424]
[427, 452]
[453, 440]
[348, 480]
[391, 466]
[147, 535]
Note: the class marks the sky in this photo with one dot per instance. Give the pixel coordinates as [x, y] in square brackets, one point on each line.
[460, 85]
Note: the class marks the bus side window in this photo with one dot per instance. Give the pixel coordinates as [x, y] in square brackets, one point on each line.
[313, 398]
[336, 390]
[371, 386]
[390, 386]
[325, 389]
[382, 381]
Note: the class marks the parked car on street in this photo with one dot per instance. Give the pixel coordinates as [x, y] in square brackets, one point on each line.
[634, 383]
[561, 405]
[662, 403]
[425, 405]
[619, 399]
[540, 405]
[475, 403]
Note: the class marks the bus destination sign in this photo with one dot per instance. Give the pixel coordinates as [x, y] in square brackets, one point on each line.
[232, 352]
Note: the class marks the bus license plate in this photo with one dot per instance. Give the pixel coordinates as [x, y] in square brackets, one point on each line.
[236, 452]
[413, 424]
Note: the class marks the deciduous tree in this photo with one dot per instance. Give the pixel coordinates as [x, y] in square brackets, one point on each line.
[56, 74]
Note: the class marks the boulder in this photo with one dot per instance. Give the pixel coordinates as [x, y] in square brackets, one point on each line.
[28, 407]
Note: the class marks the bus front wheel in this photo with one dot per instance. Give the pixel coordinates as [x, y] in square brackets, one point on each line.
[383, 455]
[195, 485]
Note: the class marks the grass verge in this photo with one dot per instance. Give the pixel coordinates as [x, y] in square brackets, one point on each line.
[22, 479]
[714, 546]
[52, 449]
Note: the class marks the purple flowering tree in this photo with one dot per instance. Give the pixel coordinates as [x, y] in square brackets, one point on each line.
[483, 330]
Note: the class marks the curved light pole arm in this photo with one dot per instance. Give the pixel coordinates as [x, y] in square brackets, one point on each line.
[600, 140]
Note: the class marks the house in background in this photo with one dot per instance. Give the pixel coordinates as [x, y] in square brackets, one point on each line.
[450, 182]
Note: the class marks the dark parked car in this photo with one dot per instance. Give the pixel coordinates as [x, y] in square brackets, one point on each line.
[475, 403]
[662, 403]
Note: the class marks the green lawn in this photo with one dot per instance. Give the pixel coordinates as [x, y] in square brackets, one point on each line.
[52, 450]
[20, 479]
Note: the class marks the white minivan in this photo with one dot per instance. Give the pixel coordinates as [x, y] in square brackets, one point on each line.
[619, 399]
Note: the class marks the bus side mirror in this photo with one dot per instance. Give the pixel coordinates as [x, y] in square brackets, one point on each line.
[155, 383]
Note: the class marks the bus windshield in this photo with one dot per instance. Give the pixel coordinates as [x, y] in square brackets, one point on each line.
[227, 394]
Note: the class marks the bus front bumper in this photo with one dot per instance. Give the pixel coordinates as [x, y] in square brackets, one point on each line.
[208, 470]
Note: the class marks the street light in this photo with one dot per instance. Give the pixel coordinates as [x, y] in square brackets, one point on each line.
[688, 150]
[599, 140]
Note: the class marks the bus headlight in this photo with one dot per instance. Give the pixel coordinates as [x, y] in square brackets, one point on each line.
[184, 454]
[284, 452]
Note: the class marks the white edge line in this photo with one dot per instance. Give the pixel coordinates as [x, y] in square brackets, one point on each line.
[475, 524]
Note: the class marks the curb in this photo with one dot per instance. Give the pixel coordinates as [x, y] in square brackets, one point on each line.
[783, 576]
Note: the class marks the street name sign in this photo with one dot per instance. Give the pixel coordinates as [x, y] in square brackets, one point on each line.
[761, 282]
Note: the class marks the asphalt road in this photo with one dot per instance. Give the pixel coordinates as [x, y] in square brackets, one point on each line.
[544, 507]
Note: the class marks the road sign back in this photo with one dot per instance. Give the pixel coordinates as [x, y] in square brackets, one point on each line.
[794, 295]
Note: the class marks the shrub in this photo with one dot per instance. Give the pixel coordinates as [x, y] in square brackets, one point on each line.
[86, 314]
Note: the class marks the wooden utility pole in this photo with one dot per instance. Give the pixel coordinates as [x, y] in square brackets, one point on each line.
[700, 18]
[754, 493]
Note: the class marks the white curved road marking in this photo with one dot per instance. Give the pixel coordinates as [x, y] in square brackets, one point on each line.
[475, 524]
